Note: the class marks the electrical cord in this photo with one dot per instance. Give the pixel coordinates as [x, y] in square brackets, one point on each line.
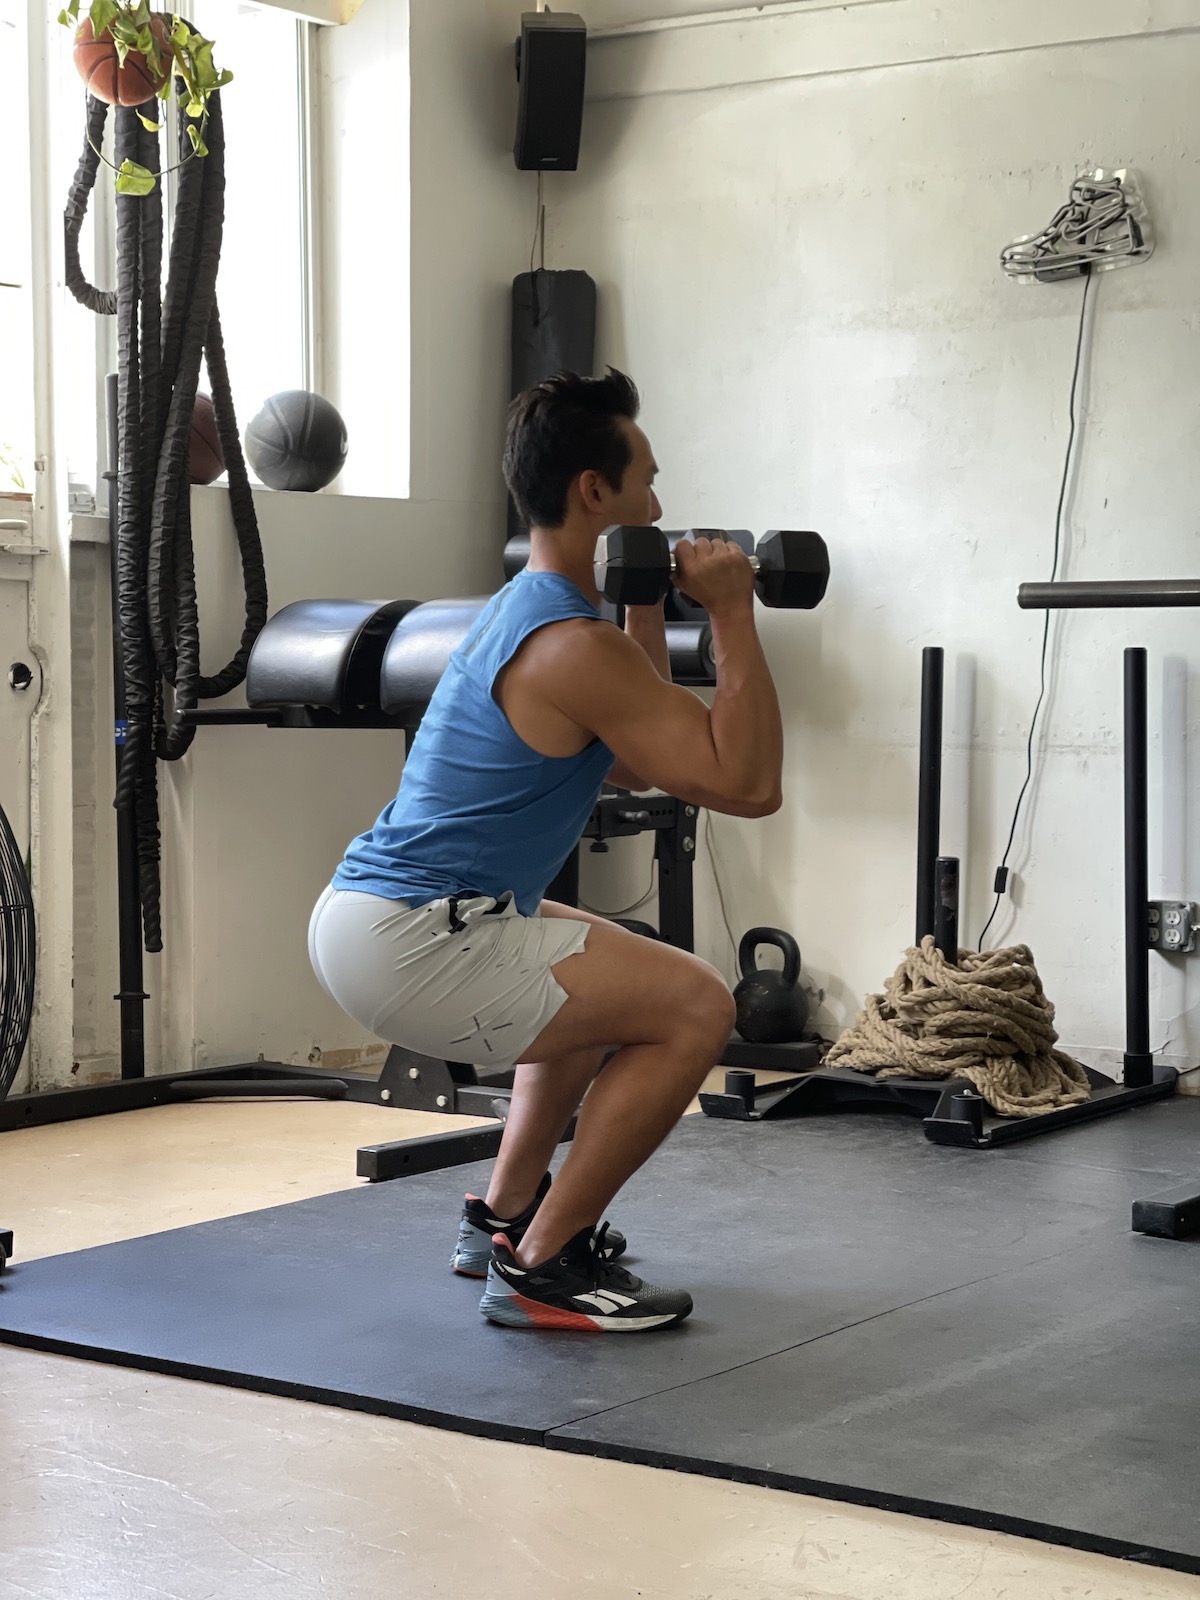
[1002, 871]
[598, 911]
[712, 856]
[539, 232]
[539, 228]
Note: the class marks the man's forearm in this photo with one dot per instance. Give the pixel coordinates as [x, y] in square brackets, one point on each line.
[647, 626]
[746, 725]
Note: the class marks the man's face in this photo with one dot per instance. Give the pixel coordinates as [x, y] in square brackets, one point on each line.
[635, 502]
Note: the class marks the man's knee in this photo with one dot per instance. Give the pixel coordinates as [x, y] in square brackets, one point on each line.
[710, 1010]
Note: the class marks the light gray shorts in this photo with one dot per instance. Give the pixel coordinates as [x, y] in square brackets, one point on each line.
[463, 980]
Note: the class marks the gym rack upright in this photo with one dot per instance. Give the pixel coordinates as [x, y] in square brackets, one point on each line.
[1175, 1213]
[953, 1113]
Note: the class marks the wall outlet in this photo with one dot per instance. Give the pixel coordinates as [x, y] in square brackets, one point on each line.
[1171, 926]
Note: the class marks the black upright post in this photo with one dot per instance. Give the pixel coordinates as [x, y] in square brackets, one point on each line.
[1139, 1062]
[675, 851]
[132, 996]
[945, 930]
[929, 803]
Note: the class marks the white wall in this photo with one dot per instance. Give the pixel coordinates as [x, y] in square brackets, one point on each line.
[796, 245]
[255, 821]
[472, 221]
[426, 222]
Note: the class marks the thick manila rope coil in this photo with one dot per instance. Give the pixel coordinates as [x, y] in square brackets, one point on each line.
[985, 1018]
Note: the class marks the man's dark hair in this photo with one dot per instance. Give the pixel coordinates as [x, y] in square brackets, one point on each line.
[560, 428]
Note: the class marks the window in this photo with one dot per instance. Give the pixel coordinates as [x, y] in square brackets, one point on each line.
[261, 282]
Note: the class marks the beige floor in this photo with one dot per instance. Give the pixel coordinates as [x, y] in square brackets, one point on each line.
[116, 1485]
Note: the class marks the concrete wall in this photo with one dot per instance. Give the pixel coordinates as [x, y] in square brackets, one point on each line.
[795, 221]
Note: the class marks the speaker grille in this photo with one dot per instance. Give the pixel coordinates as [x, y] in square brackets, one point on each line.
[551, 66]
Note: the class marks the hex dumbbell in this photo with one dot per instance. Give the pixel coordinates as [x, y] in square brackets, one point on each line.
[636, 566]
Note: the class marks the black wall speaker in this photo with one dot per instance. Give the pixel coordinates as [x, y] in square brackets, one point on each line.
[551, 57]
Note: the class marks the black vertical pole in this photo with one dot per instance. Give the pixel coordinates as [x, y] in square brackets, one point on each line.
[675, 852]
[1139, 1062]
[131, 996]
[945, 914]
[929, 804]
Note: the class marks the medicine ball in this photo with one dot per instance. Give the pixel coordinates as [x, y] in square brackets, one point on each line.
[206, 459]
[297, 441]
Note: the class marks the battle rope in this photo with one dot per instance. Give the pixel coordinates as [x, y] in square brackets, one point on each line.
[985, 1019]
[160, 346]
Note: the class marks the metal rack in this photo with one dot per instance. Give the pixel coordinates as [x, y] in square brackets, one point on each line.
[1175, 1213]
[952, 1112]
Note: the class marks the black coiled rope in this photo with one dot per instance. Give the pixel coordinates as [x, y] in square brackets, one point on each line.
[160, 343]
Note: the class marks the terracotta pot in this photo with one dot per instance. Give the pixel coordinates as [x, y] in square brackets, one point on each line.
[134, 83]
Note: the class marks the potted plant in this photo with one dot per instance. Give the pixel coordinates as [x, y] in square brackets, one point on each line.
[12, 477]
[128, 54]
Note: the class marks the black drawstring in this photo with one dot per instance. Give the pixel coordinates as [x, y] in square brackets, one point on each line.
[496, 909]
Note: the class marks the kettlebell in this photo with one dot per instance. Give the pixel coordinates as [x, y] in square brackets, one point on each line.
[772, 1008]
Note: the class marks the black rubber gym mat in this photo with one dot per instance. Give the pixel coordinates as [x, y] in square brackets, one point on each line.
[876, 1316]
[1060, 1401]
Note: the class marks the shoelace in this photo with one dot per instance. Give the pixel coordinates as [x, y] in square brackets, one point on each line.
[603, 1271]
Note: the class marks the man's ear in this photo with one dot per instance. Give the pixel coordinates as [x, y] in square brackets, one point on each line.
[590, 490]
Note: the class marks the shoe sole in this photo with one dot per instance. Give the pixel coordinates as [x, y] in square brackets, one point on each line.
[471, 1270]
[516, 1311]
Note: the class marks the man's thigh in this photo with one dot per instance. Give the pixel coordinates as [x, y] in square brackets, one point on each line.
[622, 988]
[551, 908]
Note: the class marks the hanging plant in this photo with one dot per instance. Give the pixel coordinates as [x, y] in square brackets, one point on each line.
[11, 476]
[127, 55]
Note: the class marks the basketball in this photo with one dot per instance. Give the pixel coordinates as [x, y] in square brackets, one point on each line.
[97, 63]
[206, 460]
[297, 441]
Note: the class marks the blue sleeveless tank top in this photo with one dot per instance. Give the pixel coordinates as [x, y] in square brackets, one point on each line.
[479, 811]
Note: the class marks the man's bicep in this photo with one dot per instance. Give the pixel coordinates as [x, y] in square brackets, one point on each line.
[654, 728]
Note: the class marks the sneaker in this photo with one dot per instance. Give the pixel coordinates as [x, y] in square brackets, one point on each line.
[578, 1288]
[478, 1227]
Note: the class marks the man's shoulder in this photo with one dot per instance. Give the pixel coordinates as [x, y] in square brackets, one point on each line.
[579, 635]
[579, 659]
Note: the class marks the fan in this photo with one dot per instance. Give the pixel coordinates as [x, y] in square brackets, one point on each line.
[17, 956]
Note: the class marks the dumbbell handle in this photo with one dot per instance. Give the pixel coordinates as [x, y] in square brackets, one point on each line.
[753, 560]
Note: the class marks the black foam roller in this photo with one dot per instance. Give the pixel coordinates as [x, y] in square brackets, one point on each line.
[690, 652]
[553, 326]
[516, 554]
[419, 650]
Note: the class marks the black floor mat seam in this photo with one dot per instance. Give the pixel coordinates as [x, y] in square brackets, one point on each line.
[816, 1338]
